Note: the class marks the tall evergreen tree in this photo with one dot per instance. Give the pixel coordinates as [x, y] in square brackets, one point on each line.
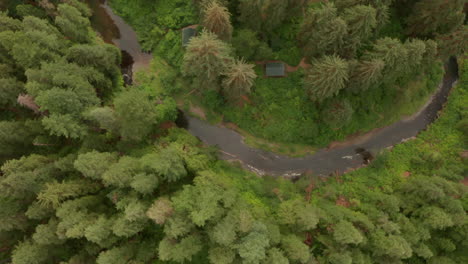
[206, 58]
[322, 31]
[216, 18]
[239, 78]
[262, 15]
[453, 44]
[136, 114]
[73, 24]
[326, 77]
[364, 74]
[393, 53]
[430, 17]
[361, 21]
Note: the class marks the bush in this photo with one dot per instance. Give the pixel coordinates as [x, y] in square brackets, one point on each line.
[337, 113]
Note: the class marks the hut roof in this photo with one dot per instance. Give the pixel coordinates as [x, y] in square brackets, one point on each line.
[187, 34]
[275, 69]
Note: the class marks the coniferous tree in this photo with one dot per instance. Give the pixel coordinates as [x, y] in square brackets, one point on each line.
[239, 78]
[136, 114]
[326, 77]
[262, 15]
[73, 24]
[206, 58]
[364, 74]
[361, 21]
[216, 18]
[394, 55]
[454, 43]
[430, 17]
[322, 31]
[295, 249]
[415, 49]
[10, 89]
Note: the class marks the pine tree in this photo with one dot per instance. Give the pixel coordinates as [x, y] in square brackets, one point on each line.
[361, 21]
[415, 49]
[345, 233]
[105, 118]
[326, 77]
[72, 23]
[252, 248]
[298, 215]
[221, 255]
[364, 74]
[295, 249]
[16, 137]
[430, 17]
[160, 210]
[239, 79]
[121, 174]
[167, 163]
[10, 89]
[206, 58]
[276, 256]
[262, 15]
[322, 31]
[453, 44]
[179, 251]
[216, 18]
[393, 53]
[136, 114]
[94, 164]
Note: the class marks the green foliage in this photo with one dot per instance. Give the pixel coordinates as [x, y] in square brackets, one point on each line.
[326, 77]
[206, 58]
[322, 31]
[239, 79]
[72, 23]
[115, 194]
[345, 233]
[249, 47]
[93, 164]
[295, 249]
[430, 17]
[337, 113]
[216, 18]
[136, 114]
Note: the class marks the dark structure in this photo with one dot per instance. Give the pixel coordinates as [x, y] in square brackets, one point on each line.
[187, 34]
[275, 69]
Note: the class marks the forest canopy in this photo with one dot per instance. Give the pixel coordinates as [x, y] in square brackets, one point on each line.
[93, 170]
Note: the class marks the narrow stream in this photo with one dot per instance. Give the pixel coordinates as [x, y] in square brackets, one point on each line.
[231, 144]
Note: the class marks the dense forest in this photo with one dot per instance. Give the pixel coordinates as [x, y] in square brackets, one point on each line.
[96, 171]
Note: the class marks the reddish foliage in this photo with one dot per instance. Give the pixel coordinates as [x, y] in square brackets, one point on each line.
[406, 174]
[342, 201]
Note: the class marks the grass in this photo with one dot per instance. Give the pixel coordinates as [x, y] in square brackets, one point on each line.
[434, 150]
[280, 118]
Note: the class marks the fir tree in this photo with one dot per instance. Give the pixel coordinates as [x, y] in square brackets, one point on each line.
[364, 74]
[239, 79]
[216, 18]
[206, 59]
[322, 31]
[326, 77]
[430, 17]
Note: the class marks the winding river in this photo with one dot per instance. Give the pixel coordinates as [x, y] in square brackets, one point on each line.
[346, 156]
